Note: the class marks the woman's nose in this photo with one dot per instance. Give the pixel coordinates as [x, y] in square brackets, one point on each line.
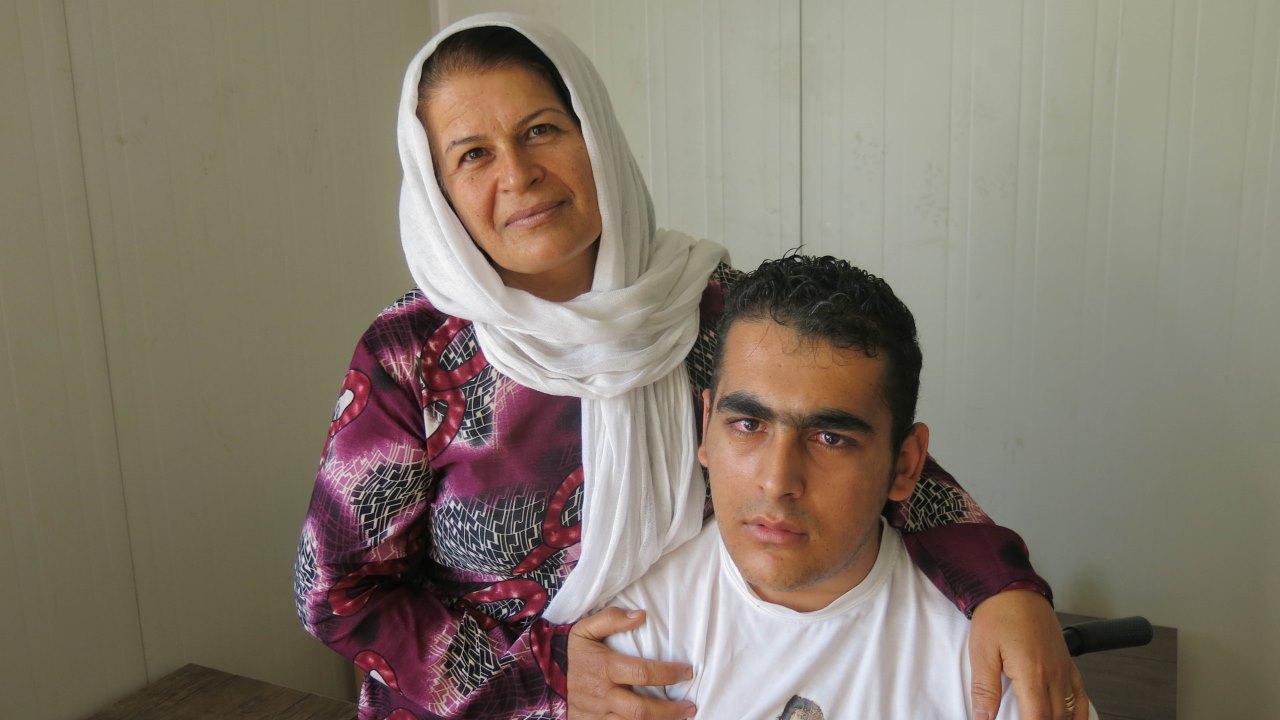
[518, 170]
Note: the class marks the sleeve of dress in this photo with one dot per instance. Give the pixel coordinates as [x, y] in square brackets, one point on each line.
[358, 582]
[957, 545]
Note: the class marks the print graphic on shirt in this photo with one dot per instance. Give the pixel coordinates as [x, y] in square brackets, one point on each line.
[531, 595]
[306, 575]
[799, 708]
[934, 503]
[393, 482]
[468, 659]
[351, 402]
[352, 591]
[448, 410]
[377, 667]
[525, 539]
[556, 533]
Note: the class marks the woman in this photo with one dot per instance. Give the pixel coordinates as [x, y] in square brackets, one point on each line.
[515, 440]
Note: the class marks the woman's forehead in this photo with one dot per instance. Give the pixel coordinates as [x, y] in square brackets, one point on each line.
[495, 100]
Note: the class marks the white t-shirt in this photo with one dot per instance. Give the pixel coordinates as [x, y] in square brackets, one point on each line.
[891, 647]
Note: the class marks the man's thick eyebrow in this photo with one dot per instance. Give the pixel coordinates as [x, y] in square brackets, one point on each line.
[748, 404]
[836, 419]
[743, 403]
[523, 121]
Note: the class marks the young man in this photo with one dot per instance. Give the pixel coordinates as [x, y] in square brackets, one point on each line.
[799, 601]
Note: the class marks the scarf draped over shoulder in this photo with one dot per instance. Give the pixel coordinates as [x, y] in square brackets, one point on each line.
[619, 347]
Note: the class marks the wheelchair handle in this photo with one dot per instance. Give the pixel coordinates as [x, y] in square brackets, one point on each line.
[1099, 635]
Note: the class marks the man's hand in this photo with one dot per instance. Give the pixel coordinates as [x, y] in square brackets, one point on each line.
[1017, 632]
[600, 679]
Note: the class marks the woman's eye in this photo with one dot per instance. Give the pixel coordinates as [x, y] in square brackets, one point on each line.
[472, 155]
[541, 130]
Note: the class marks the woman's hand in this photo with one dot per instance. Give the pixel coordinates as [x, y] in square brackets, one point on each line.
[1017, 632]
[600, 679]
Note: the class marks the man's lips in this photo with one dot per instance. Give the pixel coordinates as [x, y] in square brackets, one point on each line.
[534, 214]
[774, 531]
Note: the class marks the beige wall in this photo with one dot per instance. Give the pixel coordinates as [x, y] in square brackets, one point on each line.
[242, 178]
[70, 636]
[199, 218]
[1081, 201]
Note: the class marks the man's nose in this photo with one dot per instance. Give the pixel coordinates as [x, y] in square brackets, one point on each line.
[782, 468]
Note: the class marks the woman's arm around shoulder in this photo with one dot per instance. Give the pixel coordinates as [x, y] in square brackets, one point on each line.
[986, 571]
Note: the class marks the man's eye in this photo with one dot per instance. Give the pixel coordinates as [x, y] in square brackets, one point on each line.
[832, 439]
[746, 425]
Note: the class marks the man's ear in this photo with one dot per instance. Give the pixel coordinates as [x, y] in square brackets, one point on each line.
[910, 462]
[706, 423]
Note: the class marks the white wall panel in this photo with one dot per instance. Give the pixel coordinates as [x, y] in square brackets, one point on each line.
[843, 50]
[69, 632]
[1100, 335]
[708, 93]
[242, 178]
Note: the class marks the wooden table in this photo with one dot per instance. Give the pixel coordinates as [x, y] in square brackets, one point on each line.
[1132, 683]
[194, 692]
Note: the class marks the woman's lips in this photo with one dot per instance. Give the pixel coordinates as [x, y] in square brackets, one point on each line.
[533, 215]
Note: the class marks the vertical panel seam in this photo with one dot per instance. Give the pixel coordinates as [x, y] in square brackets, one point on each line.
[1040, 162]
[968, 229]
[1271, 164]
[799, 40]
[1191, 133]
[1234, 266]
[1111, 169]
[1271, 149]
[1009, 389]
[106, 347]
[1168, 127]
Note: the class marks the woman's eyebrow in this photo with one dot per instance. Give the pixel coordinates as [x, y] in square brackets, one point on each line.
[520, 123]
[462, 141]
[529, 118]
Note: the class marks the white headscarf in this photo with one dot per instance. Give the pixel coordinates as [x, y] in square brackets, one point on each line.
[620, 347]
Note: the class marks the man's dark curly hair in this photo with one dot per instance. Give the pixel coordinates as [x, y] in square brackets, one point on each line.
[825, 298]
